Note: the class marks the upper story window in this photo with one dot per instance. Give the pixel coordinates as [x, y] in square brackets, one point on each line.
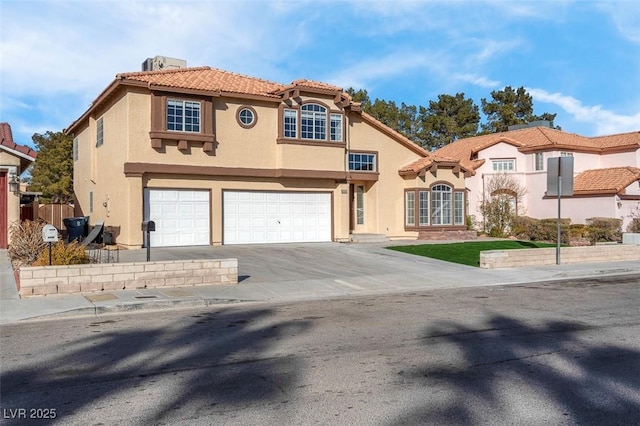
[539, 161]
[362, 162]
[504, 166]
[99, 131]
[290, 123]
[247, 117]
[183, 116]
[313, 122]
[566, 154]
[336, 128]
[75, 149]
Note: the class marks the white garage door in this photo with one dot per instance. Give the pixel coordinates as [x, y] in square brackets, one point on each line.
[276, 217]
[181, 217]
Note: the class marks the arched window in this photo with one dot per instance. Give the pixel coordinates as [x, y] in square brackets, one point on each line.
[441, 205]
[313, 122]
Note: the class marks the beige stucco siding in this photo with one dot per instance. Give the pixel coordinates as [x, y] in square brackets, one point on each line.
[99, 171]
[384, 199]
[7, 162]
[241, 147]
[240, 154]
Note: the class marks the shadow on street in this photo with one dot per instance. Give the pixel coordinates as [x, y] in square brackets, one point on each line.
[506, 360]
[212, 357]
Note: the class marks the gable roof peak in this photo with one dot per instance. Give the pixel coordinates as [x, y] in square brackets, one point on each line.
[6, 141]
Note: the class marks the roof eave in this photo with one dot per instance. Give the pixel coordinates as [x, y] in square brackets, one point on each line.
[22, 155]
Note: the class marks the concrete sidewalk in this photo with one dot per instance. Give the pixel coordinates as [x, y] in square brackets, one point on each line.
[410, 274]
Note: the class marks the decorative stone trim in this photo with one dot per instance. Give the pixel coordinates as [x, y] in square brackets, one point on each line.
[89, 278]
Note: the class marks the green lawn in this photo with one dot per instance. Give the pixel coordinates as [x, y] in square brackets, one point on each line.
[467, 253]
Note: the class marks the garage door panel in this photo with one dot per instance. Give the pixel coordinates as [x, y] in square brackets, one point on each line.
[182, 217]
[271, 217]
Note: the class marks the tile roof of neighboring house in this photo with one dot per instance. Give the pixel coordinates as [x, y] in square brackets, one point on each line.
[6, 140]
[537, 139]
[605, 181]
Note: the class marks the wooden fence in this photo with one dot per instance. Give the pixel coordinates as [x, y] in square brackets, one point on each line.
[50, 213]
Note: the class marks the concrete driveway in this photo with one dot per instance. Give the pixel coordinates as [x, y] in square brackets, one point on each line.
[303, 261]
[316, 269]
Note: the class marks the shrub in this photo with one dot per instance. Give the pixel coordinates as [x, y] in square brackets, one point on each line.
[63, 254]
[26, 242]
[604, 229]
[634, 225]
[528, 228]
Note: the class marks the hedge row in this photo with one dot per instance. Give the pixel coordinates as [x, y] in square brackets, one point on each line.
[596, 229]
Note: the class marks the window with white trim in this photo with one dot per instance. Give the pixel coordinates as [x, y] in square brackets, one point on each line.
[75, 149]
[539, 161]
[246, 117]
[441, 205]
[313, 122]
[410, 208]
[458, 208]
[290, 123]
[99, 131]
[566, 154]
[360, 204]
[504, 165]
[183, 116]
[362, 162]
[423, 208]
[336, 128]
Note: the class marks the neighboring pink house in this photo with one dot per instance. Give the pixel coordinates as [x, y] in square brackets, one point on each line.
[606, 170]
[14, 159]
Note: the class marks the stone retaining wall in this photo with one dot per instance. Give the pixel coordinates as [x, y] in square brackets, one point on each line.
[547, 256]
[42, 280]
[444, 235]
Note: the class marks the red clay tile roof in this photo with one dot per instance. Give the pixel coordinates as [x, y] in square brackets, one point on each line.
[206, 79]
[315, 85]
[605, 181]
[6, 139]
[427, 161]
[537, 139]
[216, 80]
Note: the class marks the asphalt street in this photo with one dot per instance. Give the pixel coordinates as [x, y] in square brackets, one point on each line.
[562, 352]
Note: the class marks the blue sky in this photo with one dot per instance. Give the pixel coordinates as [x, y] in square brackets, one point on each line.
[579, 59]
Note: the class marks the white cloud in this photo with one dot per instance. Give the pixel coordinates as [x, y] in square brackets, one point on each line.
[477, 80]
[363, 73]
[605, 121]
[625, 16]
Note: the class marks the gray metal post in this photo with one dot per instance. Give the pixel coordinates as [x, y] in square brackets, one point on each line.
[148, 245]
[559, 197]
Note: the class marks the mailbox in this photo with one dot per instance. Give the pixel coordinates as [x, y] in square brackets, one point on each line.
[49, 234]
[148, 226]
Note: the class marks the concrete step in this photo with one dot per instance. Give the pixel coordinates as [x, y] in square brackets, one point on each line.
[368, 238]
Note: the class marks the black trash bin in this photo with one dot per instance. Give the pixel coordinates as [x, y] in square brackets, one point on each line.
[76, 227]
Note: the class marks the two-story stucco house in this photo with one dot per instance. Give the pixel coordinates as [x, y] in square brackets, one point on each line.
[14, 160]
[606, 170]
[214, 157]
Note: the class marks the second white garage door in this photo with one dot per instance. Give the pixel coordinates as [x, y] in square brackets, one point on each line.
[276, 217]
